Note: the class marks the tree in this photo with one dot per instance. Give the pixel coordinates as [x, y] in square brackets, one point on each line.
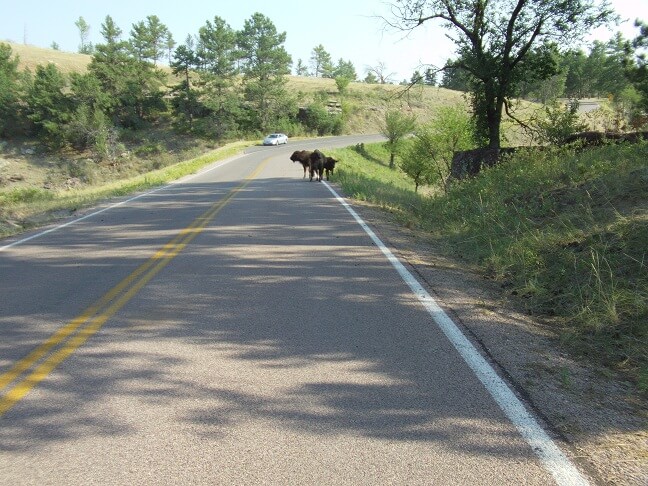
[301, 69]
[371, 78]
[637, 70]
[428, 157]
[170, 44]
[217, 56]
[495, 40]
[430, 77]
[417, 78]
[9, 89]
[613, 80]
[342, 84]
[380, 73]
[149, 39]
[395, 127]
[573, 62]
[321, 62]
[185, 97]
[132, 85]
[345, 69]
[47, 105]
[84, 32]
[265, 65]
[455, 78]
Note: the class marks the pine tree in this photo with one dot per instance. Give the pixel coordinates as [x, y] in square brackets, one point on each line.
[265, 64]
[9, 90]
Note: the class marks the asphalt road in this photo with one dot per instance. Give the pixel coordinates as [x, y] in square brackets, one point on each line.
[239, 327]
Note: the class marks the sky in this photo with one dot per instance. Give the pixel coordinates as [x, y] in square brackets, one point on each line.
[347, 29]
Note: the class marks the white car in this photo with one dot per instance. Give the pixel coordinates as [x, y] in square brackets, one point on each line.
[275, 139]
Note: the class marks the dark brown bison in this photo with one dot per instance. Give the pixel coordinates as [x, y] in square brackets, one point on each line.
[329, 165]
[303, 157]
[317, 160]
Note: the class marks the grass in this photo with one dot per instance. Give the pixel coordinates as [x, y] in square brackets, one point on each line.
[565, 233]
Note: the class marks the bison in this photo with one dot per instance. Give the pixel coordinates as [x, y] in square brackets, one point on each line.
[329, 165]
[303, 157]
[317, 160]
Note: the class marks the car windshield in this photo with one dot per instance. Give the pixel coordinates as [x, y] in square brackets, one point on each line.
[274, 135]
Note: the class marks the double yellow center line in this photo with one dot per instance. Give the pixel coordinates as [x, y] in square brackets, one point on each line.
[37, 365]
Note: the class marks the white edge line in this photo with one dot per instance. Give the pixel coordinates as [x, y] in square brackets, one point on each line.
[121, 203]
[554, 460]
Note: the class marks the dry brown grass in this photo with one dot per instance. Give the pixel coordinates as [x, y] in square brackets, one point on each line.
[32, 56]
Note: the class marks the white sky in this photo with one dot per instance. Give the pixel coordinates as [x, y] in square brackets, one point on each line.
[348, 29]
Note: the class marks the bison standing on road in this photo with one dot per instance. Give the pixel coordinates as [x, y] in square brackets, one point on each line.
[329, 165]
[317, 160]
[303, 157]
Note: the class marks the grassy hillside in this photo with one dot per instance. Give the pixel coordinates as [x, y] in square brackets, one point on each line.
[367, 103]
[32, 56]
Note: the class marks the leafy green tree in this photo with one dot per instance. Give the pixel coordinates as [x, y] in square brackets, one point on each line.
[455, 77]
[559, 122]
[613, 80]
[417, 78]
[573, 64]
[396, 126]
[430, 77]
[317, 119]
[265, 65]
[428, 157]
[10, 90]
[495, 39]
[544, 88]
[48, 108]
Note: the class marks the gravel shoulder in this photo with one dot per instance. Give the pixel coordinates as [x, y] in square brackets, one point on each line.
[592, 413]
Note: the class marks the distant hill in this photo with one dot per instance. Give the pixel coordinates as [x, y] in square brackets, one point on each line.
[32, 56]
[369, 102]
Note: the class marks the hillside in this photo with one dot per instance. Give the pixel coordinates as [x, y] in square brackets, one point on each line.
[32, 56]
[368, 101]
